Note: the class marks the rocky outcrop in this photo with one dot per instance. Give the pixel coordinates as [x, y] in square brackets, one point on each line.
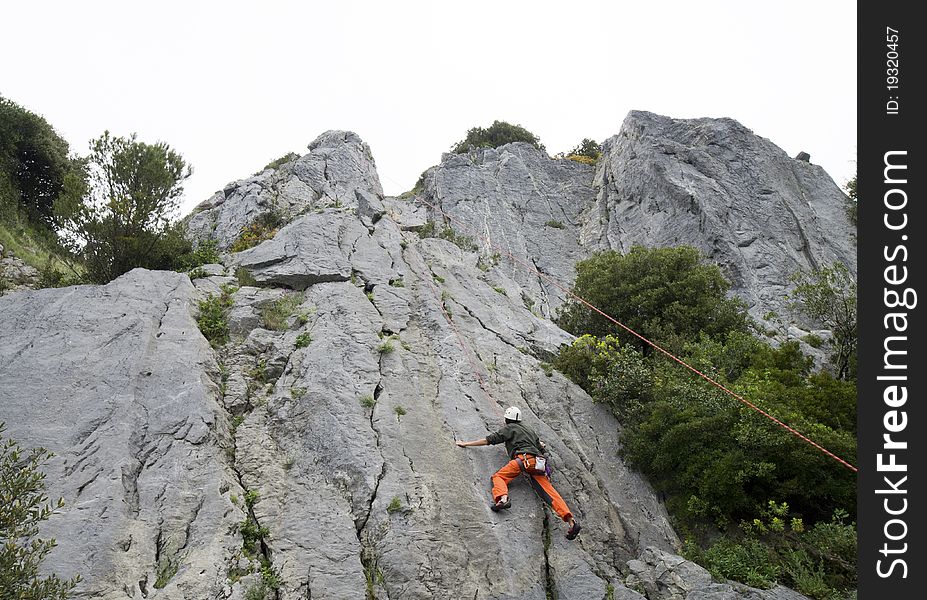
[713, 184]
[313, 456]
[515, 200]
[338, 167]
[708, 183]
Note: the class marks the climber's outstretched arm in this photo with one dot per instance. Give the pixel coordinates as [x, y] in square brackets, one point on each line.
[481, 442]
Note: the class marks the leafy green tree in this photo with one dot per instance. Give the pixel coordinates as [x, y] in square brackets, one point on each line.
[829, 296]
[23, 506]
[851, 192]
[497, 134]
[122, 218]
[668, 295]
[34, 162]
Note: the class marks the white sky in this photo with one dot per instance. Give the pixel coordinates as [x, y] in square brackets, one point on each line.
[234, 85]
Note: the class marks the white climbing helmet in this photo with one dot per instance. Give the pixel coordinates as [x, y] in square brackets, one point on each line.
[513, 414]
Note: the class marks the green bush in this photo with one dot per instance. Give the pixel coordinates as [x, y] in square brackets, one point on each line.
[497, 134]
[213, 316]
[554, 224]
[205, 253]
[829, 296]
[668, 295]
[748, 561]
[395, 505]
[368, 401]
[23, 507]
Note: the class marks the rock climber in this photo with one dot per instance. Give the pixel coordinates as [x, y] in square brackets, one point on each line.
[523, 447]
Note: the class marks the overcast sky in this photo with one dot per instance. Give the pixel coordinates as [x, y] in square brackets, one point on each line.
[234, 85]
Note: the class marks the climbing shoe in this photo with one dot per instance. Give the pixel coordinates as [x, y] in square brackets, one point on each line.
[501, 506]
[574, 530]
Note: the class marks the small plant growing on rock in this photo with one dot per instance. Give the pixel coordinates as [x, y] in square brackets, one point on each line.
[166, 570]
[245, 277]
[438, 278]
[303, 340]
[464, 242]
[395, 505]
[500, 290]
[368, 401]
[298, 393]
[213, 316]
[197, 273]
[397, 283]
[262, 228]
[815, 341]
[554, 224]
[275, 314]
[427, 230]
[386, 347]
[400, 411]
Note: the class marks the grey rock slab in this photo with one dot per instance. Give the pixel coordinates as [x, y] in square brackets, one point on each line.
[315, 248]
[515, 200]
[116, 381]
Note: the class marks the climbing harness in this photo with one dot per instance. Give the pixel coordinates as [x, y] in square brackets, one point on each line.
[570, 293]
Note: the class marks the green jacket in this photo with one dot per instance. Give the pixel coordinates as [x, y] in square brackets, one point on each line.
[518, 438]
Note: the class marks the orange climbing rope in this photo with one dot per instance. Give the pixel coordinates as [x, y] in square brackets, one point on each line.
[588, 304]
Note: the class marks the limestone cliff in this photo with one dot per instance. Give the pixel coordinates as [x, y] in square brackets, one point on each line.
[323, 432]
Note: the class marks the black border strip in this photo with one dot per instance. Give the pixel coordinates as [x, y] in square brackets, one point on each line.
[889, 131]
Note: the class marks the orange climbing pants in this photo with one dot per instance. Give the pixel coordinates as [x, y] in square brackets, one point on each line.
[541, 484]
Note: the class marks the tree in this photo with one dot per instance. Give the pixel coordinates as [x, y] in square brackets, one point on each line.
[34, 162]
[668, 295]
[588, 148]
[829, 296]
[121, 219]
[852, 208]
[23, 506]
[497, 134]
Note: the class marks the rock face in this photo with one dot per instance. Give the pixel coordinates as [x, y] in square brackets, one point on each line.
[314, 452]
[713, 184]
[515, 200]
[708, 183]
[339, 164]
[115, 381]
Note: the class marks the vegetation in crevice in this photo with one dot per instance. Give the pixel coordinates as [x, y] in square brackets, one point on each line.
[213, 316]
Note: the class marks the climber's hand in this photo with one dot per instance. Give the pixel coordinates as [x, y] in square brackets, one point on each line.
[461, 443]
